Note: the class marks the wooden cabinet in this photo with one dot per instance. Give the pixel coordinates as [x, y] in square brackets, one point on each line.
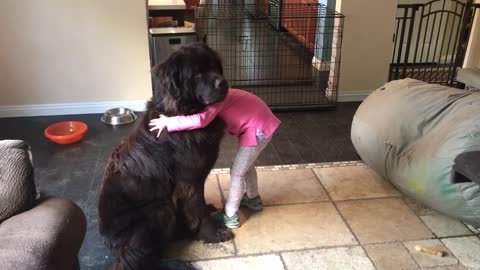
[299, 17]
[191, 4]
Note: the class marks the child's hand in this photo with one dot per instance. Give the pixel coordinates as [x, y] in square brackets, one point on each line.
[158, 123]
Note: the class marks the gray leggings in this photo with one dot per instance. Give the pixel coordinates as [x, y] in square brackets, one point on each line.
[243, 176]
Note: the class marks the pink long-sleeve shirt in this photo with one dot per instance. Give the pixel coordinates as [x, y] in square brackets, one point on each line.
[242, 112]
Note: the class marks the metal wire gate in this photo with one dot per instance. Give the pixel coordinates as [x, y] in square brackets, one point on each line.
[431, 39]
[287, 54]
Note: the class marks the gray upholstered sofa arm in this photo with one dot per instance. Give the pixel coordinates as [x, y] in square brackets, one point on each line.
[48, 236]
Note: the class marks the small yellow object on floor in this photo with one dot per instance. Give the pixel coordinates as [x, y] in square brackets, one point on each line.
[429, 250]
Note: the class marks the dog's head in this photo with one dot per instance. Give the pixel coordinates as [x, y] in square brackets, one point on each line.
[190, 79]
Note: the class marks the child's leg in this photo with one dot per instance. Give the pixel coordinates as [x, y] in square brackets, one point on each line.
[251, 183]
[243, 171]
[251, 176]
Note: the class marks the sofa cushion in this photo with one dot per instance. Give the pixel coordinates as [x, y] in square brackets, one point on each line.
[17, 186]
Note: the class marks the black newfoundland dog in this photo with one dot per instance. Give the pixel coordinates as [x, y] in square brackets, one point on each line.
[153, 189]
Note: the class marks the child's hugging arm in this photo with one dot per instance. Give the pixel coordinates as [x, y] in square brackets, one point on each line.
[184, 122]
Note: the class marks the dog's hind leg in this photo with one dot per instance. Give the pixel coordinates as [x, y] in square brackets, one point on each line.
[147, 238]
[190, 201]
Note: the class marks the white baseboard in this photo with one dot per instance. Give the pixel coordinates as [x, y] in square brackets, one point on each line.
[353, 96]
[68, 108]
[100, 107]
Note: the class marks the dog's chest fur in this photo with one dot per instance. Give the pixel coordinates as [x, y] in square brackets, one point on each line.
[176, 152]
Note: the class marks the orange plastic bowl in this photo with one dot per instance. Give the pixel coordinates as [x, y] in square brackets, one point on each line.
[66, 132]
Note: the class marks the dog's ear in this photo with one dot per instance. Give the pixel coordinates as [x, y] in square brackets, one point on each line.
[163, 79]
[166, 93]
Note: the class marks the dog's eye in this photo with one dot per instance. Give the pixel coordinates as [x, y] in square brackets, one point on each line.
[197, 76]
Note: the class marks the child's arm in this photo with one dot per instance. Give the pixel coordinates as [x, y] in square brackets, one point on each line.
[184, 122]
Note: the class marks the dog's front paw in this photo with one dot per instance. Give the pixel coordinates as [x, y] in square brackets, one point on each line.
[224, 234]
[221, 235]
[210, 232]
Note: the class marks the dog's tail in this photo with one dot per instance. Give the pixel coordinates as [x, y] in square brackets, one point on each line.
[133, 259]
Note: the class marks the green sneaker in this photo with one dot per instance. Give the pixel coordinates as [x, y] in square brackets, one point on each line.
[254, 204]
[229, 222]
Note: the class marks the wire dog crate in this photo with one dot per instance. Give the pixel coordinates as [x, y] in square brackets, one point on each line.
[288, 54]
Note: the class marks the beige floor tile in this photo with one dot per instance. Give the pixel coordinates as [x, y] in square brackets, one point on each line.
[447, 267]
[289, 227]
[198, 250]
[354, 182]
[345, 258]
[212, 192]
[443, 226]
[429, 260]
[270, 262]
[419, 209]
[393, 256]
[285, 187]
[383, 220]
[475, 230]
[466, 249]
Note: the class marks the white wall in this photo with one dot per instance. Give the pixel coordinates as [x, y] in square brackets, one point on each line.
[96, 52]
[367, 44]
[65, 51]
[472, 56]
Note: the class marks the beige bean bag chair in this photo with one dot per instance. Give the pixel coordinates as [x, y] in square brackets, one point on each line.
[425, 140]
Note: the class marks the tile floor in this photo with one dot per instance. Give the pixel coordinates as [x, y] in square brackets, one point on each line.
[332, 216]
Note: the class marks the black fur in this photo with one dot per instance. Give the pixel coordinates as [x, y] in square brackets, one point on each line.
[153, 189]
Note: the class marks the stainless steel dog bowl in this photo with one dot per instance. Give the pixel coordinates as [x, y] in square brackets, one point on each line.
[118, 116]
